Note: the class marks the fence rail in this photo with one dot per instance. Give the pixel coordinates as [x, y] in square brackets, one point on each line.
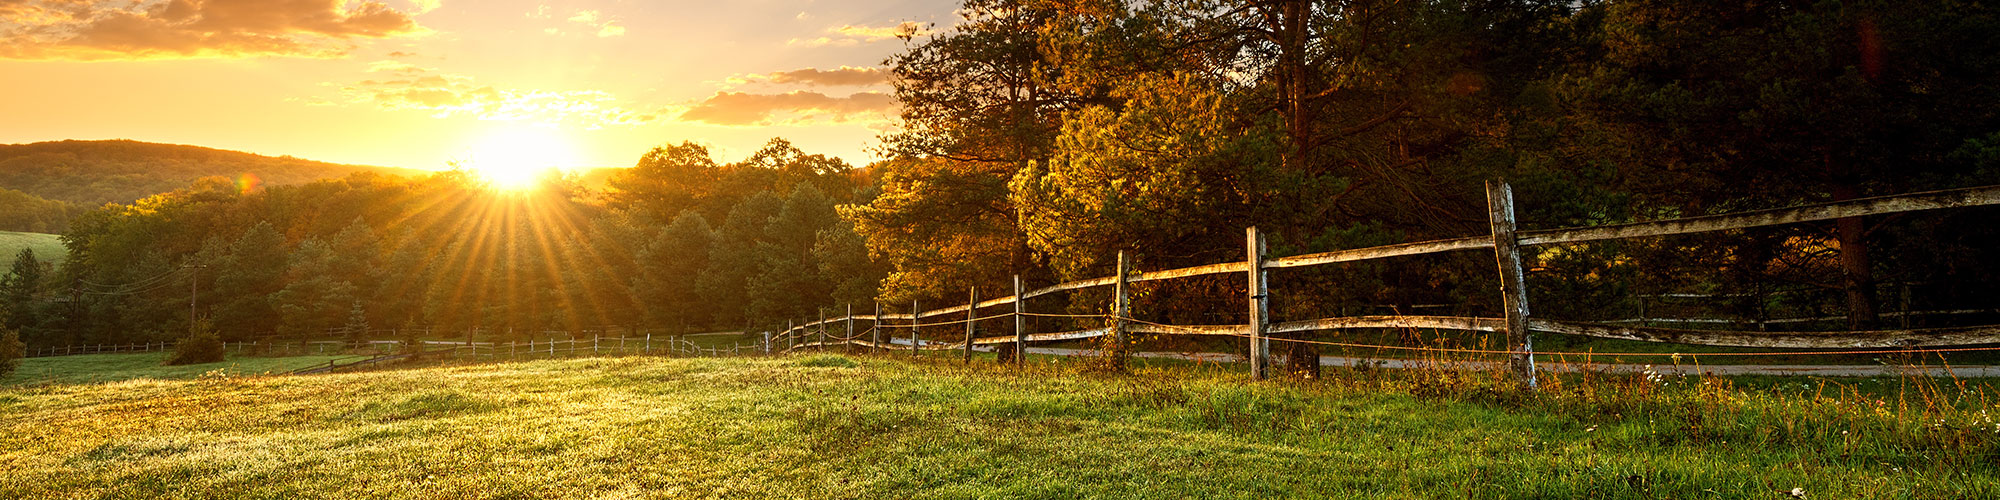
[1504, 241]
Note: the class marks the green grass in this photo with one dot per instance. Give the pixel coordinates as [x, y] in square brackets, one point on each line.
[100, 368]
[48, 247]
[807, 427]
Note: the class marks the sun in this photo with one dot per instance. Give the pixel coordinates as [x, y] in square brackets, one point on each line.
[515, 159]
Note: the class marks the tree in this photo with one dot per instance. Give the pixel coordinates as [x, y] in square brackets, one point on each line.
[356, 329]
[735, 259]
[11, 351]
[201, 345]
[1764, 103]
[669, 270]
[246, 278]
[21, 288]
[313, 297]
[667, 181]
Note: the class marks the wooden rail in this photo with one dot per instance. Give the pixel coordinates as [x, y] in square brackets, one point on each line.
[1504, 241]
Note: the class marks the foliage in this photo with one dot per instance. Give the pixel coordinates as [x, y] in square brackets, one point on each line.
[11, 351]
[828, 361]
[201, 345]
[29, 213]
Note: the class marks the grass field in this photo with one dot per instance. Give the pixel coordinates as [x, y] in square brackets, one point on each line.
[48, 247]
[828, 426]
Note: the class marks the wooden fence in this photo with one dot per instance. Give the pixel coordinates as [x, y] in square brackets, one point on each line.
[1504, 241]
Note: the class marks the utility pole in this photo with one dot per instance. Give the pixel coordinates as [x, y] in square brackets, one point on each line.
[194, 291]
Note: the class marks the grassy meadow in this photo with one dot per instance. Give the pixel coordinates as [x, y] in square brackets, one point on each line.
[829, 426]
[48, 247]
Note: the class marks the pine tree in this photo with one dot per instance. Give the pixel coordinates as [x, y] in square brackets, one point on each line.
[245, 280]
[20, 289]
[357, 326]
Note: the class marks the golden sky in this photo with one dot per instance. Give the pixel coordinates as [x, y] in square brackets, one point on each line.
[419, 83]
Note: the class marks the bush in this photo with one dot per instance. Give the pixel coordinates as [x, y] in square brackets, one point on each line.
[202, 345]
[829, 361]
[11, 351]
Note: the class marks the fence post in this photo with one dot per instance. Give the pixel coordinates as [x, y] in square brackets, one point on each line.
[767, 343]
[822, 328]
[913, 328]
[971, 321]
[1121, 308]
[1020, 329]
[1513, 283]
[875, 331]
[850, 328]
[1260, 304]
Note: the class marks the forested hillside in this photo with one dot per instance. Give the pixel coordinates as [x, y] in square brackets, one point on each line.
[92, 173]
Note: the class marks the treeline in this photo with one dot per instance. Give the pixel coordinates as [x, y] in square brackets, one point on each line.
[25, 212]
[449, 253]
[92, 173]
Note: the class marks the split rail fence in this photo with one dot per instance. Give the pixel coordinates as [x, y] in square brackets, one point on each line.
[1504, 241]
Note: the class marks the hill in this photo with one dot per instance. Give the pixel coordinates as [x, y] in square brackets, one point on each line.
[841, 427]
[48, 247]
[91, 173]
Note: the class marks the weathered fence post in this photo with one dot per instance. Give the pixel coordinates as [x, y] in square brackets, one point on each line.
[914, 316]
[791, 339]
[593, 344]
[875, 331]
[822, 328]
[971, 321]
[649, 343]
[850, 329]
[767, 343]
[1513, 283]
[1020, 324]
[1260, 305]
[1121, 306]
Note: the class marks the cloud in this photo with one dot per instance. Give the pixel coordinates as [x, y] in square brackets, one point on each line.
[409, 87]
[850, 35]
[595, 21]
[738, 109]
[90, 30]
[844, 76]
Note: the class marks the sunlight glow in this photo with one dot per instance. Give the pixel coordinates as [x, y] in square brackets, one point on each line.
[514, 159]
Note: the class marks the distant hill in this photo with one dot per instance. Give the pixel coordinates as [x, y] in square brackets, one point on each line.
[92, 173]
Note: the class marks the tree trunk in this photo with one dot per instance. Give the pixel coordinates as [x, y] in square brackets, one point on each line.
[1857, 270]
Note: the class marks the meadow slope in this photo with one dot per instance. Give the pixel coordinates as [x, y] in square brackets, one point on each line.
[838, 427]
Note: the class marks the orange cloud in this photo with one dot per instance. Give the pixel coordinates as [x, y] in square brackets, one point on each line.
[101, 30]
[845, 76]
[737, 108]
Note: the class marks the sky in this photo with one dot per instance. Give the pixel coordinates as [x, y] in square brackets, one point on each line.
[425, 83]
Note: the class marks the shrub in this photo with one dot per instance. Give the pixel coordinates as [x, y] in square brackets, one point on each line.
[202, 345]
[829, 361]
[11, 351]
